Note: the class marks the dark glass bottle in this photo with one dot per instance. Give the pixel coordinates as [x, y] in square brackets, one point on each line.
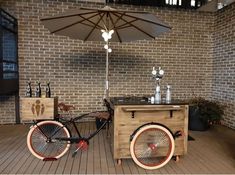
[38, 89]
[48, 90]
[28, 90]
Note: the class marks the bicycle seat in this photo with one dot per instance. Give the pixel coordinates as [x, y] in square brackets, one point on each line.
[65, 108]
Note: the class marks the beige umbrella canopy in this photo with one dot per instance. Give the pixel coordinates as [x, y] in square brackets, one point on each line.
[106, 24]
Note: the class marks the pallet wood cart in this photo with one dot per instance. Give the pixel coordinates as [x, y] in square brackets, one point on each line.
[129, 114]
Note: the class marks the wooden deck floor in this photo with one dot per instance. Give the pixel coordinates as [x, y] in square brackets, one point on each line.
[212, 152]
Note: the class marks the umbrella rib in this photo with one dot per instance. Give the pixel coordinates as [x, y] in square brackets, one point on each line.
[58, 17]
[65, 27]
[111, 19]
[87, 24]
[103, 21]
[137, 28]
[141, 19]
[87, 19]
[118, 18]
[121, 26]
[93, 28]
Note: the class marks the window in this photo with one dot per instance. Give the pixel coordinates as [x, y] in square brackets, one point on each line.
[174, 2]
[186, 4]
[8, 53]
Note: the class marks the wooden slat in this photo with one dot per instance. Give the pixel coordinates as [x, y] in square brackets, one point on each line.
[21, 160]
[10, 156]
[97, 156]
[32, 165]
[46, 167]
[83, 162]
[53, 167]
[211, 160]
[169, 169]
[198, 166]
[132, 166]
[38, 167]
[90, 157]
[76, 162]
[26, 165]
[71, 160]
[11, 149]
[103, 158]
[108, 147]
[147, 108]
[126, 168]
[77, 158]
[5, 149]
[109, 156]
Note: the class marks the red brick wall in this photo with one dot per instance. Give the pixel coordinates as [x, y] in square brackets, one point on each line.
[223, 88]
[7, 109]
[76, 69]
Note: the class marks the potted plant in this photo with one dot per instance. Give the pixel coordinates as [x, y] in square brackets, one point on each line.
[203, 113]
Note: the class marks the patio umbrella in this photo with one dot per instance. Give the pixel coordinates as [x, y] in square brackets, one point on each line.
[106, 24]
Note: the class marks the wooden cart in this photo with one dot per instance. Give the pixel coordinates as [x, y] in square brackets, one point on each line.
[129, 115]
[38, 108]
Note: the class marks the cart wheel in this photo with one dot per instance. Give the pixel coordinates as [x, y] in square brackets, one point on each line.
[152, 146]
[119, 161]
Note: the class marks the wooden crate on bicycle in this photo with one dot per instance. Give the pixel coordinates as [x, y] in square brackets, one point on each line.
[38, 108]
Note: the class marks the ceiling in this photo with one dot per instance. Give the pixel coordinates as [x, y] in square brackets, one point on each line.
[200, 5]
[214, 5]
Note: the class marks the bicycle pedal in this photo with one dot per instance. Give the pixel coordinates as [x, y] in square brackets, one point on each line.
[83, 145]
[74, 154]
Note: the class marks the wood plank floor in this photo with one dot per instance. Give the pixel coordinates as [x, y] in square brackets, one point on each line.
[212, 152]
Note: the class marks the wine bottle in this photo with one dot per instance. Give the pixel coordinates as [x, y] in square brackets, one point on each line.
[168, 94]
[28, 90]
[158, 94]
[38, 89]
[48, 90]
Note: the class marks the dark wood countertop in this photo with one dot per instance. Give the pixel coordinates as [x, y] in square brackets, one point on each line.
[141, 101]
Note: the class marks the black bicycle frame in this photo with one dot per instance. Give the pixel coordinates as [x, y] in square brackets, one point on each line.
[74, 139]
[72, 121]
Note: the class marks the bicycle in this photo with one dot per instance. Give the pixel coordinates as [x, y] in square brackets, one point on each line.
[51, 139]
[152, 145]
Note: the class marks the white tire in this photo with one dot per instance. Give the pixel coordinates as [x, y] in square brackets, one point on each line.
[41, 142]
[151, 143]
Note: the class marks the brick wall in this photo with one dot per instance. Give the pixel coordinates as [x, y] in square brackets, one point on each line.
[223, 87]
[76, 69]
[7, 109]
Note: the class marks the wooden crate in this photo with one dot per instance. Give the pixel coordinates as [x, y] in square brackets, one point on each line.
[124, 125]
[38, 108]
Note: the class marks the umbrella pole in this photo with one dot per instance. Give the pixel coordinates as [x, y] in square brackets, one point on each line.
[106, 95]
[107, 35]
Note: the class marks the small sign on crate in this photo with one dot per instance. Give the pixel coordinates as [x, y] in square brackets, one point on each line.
[38, 108]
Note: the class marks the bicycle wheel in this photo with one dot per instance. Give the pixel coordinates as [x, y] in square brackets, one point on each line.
[42, 143]
[152, 147]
